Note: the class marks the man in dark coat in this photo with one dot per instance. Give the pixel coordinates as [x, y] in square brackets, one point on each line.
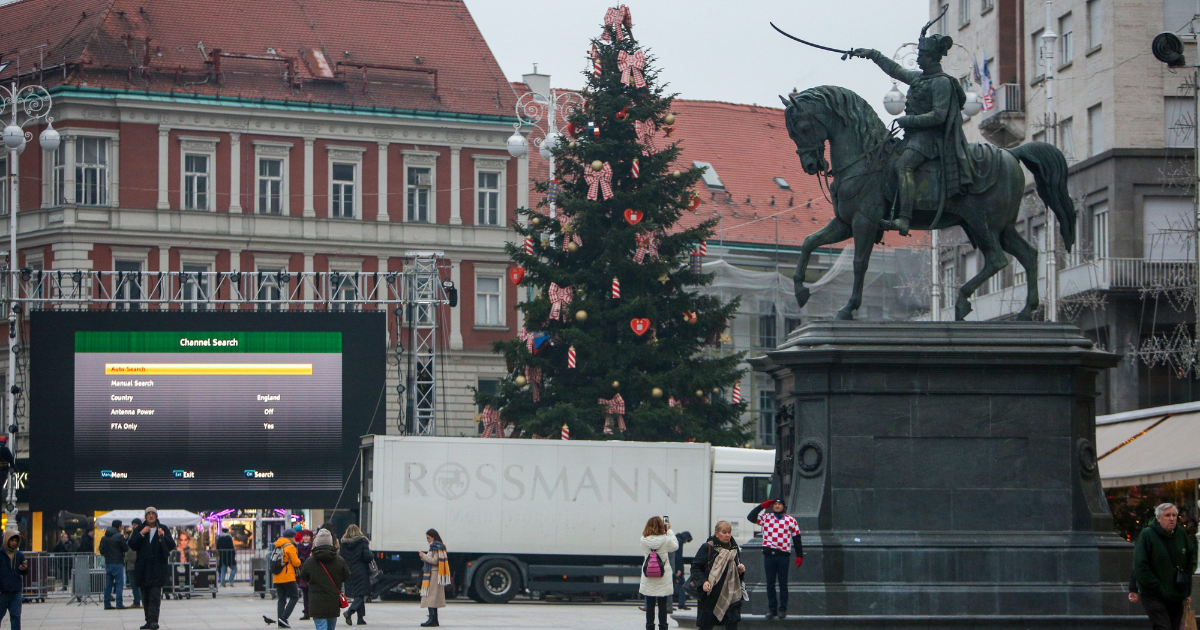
[131, 562]
[679, 562]
[152, 571]
[113, 547]
[1164, 559]
[226, 558]
[12, 567]
[356, 551]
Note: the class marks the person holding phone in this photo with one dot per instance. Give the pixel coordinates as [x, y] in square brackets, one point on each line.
[151, 571]
[656, 581]
[12, 567]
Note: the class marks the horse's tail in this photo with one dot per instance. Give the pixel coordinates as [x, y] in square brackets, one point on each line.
[1049, 169]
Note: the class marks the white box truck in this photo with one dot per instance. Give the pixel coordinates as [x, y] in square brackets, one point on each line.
[548, 517]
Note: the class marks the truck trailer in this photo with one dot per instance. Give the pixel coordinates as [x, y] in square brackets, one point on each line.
[546, 517]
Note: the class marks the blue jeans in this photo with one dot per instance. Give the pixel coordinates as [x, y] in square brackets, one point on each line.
[231, 569]
[11, 603]
[326, 624]
[137, 593]
[114, 581]
[777, 571]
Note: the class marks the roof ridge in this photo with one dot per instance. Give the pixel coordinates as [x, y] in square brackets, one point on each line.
[741, 105]
[87, 42]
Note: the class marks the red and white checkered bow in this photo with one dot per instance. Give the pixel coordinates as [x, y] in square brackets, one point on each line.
[613, 407]
[672, 402]
[647, 244]
[631, 68]
[527, 337]
[645, 134]
[599, 182]
[569, 235]
[534, 376]
[618, 18]
[492, 427]
[560, 298]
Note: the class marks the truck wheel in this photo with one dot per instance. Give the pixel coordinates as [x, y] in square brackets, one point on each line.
[497, 582]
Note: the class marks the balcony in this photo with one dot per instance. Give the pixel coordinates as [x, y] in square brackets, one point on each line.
[1004, 125]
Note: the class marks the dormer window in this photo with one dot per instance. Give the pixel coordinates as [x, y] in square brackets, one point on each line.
[782, 183]
[710, 177]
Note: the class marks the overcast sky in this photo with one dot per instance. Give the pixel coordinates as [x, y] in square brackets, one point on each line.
[722, 50]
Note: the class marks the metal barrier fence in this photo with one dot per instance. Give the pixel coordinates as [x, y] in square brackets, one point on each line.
[77, 576]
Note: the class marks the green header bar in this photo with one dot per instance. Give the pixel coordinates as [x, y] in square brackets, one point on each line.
[206, 342]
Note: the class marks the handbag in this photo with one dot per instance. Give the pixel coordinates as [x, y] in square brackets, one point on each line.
[1189, 619]
[345, 603]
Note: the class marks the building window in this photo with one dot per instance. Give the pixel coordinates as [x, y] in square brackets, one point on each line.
[91, 171]
[487, 301]
[195, 181]
[964, 13]
[1095, 130]
[128, 284]
[1095, 18]
[1177, 15]
[790, 324]
[767, 326]
[1039, 54]
[1178, 115]
[343, 190]
[270, 186]
[1066, 40]
[194, 283]
[986, 5]
[1099, 214]
[488, 198]
[4, 184]
[60, 176]
[420, 183]
[343, 288]
[766, 417]
[271, 288]
[1066, 138]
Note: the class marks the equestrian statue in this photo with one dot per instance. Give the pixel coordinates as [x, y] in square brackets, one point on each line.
[931, 179]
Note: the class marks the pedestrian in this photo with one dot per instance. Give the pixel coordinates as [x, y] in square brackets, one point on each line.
[153, 544]
[226, 558]
[303, 551]
[131, 563]
[12, 567]
[87, 544]
[658, 541]
[356, 551]
[780, 533]
[113, 548]
[435, 575]
[1164, 559]
[679, 562]
[65, 544]
[62, 567]
[325, 572]
[284, 559]
[718, 570]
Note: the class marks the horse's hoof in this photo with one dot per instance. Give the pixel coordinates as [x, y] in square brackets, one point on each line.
[802, 295]
[845, 314]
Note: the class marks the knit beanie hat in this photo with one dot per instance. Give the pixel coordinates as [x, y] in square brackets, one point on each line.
[151, 509]
[323, 537]
[289, 533]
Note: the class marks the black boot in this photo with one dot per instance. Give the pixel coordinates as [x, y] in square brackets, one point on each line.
[432, 622]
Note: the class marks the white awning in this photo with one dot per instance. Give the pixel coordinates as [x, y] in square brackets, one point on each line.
[1149, 446]
[170, 518]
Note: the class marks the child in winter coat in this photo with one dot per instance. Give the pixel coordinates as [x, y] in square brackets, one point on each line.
[658, 539]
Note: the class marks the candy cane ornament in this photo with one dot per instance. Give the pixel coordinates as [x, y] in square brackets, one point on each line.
[616, 288]
[566, 432]
[637, 168]
[571, 357]
[737, 392]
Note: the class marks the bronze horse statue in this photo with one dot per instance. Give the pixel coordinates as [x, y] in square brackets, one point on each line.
[863, 191]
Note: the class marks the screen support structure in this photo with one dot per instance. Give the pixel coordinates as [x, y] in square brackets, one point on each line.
[420, 383]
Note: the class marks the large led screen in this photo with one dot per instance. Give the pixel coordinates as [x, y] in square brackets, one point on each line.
[200, 410]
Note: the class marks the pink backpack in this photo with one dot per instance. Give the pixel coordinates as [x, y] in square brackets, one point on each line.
[652, 567]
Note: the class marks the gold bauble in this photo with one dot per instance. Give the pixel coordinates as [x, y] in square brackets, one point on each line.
[573, 145]
[716, 390]
[699, 393]
[616, 384]
[675, 173]
[656, 392]
[519, 381]
[572, 247]
[581, 316]
[597, 165]
[535, 221]
[669, 119]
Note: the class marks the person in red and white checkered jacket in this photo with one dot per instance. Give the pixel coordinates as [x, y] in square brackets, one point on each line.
[781, 534]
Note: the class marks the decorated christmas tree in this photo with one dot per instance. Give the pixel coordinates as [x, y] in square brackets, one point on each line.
[614, 339]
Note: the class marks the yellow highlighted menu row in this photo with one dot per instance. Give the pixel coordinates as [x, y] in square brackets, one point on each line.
[208, 369]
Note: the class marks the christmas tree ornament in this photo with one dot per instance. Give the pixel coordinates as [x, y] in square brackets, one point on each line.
[631, 68]
[616, 288]
[640, 325]
[519, 381]
[534, 377]
[664, 278]
[581, 315]
[528, 247]
[516, 274]
[552, 191]
[616, 19]
[672, 402]
[492, 426]
[725, 338]
[593, 129]
[599, 181]
[669, 131]
[571, 357]
[566, 432]
[656, 392]
[647, 245]
[694, 201]
[716, 390]
[645, 135]
[675, 174]
[636, 169]
[596, 67]
[622, 114]
[535, 221]
[560, 299]
[614, 409]
[702, 249]
[633, 216]
[699, 393]
[573, 145]
[572, 246]
[571, 130]
[616, 384]
[737, 392]
[571, 240]
[669, 119]
[690, 317]
[533, 340]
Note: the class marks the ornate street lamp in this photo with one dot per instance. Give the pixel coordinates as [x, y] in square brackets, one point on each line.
[541, 108]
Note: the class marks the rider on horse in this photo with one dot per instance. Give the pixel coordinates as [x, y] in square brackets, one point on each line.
[932, 126]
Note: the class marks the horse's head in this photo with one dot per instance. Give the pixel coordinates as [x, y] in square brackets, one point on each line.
[808, 133]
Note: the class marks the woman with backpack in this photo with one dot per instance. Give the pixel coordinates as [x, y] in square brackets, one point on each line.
[717, 573]
[325, 572]
[434, 578]
[658, 541]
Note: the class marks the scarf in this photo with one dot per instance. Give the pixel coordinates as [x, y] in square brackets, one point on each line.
[725, 564]
[438, 551]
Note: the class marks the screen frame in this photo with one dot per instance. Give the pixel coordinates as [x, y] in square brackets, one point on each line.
[52, 405]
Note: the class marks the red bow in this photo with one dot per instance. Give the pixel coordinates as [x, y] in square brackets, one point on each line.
[645, 134]
[599, 182]
[492, 427]
[618, 18]
[614, 406]
[527, 337]
[672, 402]
[631, 68]
[534, 376]
[568, 236]
[647, 244]
[560, 297]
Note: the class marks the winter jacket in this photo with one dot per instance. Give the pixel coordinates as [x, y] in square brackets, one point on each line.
[130, 560]
[66, 547]
[435, 595]
[324, 601]
[10, 566]
[706, 602]
[357, 554]
[226, 551]
[1156, 554]
[153, 550]
[113, 546]
[664, 545]
[291, 561]
[303, 552]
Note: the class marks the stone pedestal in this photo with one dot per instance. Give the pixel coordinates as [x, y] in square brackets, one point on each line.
[945, 471]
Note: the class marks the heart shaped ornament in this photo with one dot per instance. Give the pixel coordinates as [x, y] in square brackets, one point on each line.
[516, 274]
[633, 216]
[640, 325]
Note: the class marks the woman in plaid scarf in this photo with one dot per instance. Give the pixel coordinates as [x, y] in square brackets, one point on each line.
[434, 578]
[719, 570]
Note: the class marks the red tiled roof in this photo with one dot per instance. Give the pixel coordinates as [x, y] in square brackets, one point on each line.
[104, 43]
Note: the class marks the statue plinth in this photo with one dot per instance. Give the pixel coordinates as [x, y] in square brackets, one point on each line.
[942, 471]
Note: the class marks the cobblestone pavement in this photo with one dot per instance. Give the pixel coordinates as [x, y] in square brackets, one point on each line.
[238, 608]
